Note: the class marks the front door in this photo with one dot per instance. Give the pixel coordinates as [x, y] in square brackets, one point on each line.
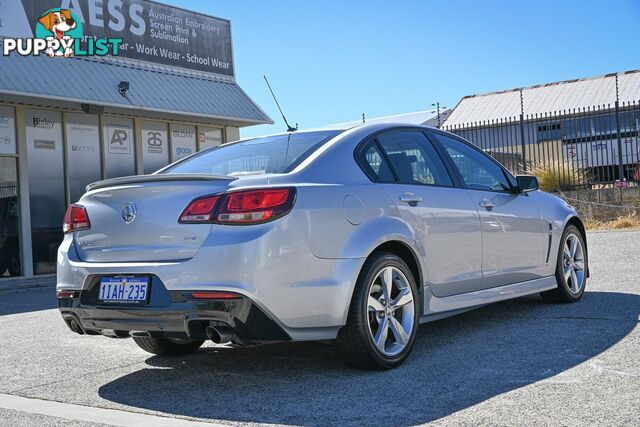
[444, 218]
[514, 234]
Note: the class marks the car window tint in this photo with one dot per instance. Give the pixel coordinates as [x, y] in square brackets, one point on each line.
[414, 159]
[478, 171]
[375, 164]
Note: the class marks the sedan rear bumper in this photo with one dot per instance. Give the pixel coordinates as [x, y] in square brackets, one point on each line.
[183, 317]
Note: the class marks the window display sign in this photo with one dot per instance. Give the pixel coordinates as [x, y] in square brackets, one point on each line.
[119, 152]
[183, 141]
[155, 146]
[83, 152]
[209, 137]
[7, 130]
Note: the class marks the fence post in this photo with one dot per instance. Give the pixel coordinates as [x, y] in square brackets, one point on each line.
[522, 142]
[620, 164]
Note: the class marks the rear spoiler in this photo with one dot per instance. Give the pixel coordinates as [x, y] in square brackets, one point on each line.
[138, 179]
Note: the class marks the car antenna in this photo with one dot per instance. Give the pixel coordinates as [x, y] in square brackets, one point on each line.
[289, 128]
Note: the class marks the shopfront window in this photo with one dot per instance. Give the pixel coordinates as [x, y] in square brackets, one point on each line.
[10, 265]
[119, 149]
[46, 186]
[155, 146]
[7, 130]
[209, 137]
[183, 141]
[83, 152]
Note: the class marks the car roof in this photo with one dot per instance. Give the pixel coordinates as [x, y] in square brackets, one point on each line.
[372, 127]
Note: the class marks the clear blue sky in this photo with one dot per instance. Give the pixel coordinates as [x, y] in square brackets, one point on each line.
[329, 61]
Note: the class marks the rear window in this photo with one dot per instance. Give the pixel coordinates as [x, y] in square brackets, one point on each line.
[272, 154]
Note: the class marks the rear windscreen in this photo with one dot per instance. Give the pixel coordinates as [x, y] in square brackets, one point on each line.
[272, 154]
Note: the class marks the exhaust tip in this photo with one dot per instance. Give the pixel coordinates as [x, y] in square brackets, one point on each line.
[219, 335]
[75, 326]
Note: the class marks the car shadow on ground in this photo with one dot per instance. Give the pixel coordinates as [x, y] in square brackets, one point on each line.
[456, 363]
[26, 301]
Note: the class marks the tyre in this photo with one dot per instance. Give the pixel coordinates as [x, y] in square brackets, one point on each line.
[571, 268]
[383, 316]
[167, 346]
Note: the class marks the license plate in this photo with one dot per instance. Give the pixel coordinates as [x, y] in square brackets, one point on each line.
[124, 290]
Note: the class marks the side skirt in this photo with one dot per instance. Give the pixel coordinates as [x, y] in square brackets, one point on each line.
[438, 308]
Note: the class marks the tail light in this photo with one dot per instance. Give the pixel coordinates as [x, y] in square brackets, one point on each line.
[200, 210]
[65, 294]
[75, 219]
[245, 207]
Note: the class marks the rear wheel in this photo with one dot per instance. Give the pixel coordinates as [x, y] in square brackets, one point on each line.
[167, 346]
[571, 268]
[383, 316]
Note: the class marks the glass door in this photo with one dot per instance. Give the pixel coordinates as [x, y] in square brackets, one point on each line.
[10, 265]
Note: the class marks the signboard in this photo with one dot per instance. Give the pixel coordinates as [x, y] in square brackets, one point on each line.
[150, 31]
[7, 130]
[155, 146]
[83, 152]
[183, 141]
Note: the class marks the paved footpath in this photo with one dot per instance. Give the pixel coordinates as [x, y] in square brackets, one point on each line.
[520, 362]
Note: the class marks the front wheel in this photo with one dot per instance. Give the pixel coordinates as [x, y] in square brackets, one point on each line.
[571, 268]
[383, 316]
[167, 346]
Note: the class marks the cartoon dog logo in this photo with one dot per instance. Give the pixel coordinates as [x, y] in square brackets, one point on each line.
[59, 23]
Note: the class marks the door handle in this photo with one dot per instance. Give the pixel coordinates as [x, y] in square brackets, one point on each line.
[487, 204]
[411, 199]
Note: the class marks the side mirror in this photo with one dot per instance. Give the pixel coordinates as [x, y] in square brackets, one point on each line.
[527, 183]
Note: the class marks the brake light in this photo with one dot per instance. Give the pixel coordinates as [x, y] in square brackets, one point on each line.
[200, 210]
[240, 207]
[255, 206]
[75, 219]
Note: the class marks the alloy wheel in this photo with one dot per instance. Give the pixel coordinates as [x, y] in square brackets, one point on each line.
[573, 263]
[390, 311]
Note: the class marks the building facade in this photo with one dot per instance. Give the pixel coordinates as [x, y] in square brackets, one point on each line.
[68, 121]
[585, 128]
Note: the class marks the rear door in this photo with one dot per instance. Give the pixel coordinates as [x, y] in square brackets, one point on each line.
[443, 217]
[514, 234]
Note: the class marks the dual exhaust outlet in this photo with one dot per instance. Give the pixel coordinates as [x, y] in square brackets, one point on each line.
[217, 334]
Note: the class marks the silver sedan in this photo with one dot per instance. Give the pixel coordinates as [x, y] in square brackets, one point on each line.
[354, 235]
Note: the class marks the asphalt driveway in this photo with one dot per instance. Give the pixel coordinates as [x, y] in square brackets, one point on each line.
[517, 362]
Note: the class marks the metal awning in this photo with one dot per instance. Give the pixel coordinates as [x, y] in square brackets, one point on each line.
[68, 82]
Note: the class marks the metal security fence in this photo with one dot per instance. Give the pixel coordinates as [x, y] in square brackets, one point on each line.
[591, 147]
